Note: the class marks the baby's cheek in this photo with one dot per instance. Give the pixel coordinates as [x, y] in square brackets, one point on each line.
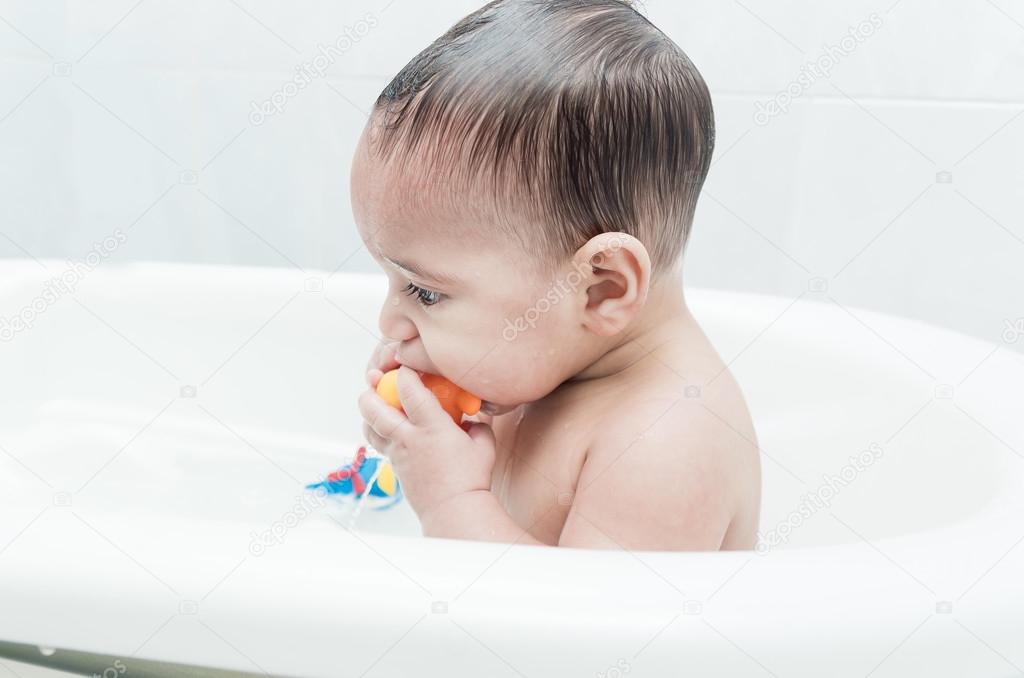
[503, 358]
[518, 375]
[488, 378]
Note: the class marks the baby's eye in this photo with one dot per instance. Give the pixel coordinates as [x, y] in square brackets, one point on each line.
[424, 296]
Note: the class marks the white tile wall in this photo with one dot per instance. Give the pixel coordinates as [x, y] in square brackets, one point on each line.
[137, 116]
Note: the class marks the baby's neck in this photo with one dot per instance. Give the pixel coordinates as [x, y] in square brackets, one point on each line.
[665, 315]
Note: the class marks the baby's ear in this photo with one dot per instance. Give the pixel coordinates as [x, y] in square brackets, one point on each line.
[616, 272]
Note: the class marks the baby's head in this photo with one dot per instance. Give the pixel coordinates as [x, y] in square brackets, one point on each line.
[525, 182]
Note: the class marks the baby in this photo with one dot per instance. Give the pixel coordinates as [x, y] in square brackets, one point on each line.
[528, 183]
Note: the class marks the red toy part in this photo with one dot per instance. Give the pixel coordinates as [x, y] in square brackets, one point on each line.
[352, 471]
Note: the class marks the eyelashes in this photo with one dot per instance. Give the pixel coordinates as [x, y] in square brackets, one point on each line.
[424, 296]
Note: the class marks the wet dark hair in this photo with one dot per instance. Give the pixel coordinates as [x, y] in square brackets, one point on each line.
[579, 115]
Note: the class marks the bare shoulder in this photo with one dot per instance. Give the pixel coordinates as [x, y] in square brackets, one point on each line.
[676, 452]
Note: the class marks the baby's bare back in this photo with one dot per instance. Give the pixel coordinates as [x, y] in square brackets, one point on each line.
[661, 455]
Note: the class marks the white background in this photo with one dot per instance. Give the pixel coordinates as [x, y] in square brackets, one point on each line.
[110, 109]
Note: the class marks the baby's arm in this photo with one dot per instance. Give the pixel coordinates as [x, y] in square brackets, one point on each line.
[475, 515]
[668, 488]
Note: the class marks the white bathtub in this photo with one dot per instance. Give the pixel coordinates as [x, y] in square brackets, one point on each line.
[161, 416]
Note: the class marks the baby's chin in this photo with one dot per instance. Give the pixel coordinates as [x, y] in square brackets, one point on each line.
[494, 409]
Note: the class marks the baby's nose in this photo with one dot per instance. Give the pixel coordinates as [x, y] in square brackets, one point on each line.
[394, 324]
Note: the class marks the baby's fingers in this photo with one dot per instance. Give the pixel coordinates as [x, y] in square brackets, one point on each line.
[377, 441]
[383, 357]
[381, 417]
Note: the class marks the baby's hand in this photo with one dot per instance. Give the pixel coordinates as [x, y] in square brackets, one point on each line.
[382, 360]
[435, 459]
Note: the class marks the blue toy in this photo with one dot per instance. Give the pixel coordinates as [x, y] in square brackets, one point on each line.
[362, 478]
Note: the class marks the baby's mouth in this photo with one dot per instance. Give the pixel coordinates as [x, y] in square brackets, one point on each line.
[486, 407]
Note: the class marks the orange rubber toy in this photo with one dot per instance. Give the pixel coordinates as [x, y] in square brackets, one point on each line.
[455, 401]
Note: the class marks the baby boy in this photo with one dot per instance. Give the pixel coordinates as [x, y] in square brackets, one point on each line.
[528, 183]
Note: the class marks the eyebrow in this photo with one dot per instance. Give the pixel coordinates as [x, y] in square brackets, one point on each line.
[423, 273]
